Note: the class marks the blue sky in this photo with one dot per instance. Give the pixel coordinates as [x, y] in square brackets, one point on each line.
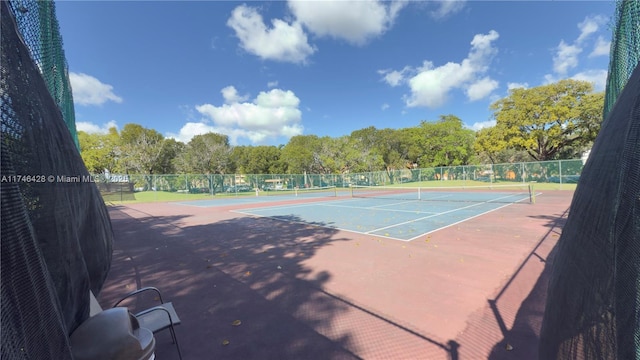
[261, 72]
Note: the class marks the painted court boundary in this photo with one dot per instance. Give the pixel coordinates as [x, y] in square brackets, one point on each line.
[251, 212]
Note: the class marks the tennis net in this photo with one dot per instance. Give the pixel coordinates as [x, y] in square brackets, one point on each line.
[520, 193]
[322, 191]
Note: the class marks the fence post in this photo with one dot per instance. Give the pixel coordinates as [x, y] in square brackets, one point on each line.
[560, 171]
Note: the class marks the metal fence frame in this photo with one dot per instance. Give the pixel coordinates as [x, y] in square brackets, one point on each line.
[557, 171]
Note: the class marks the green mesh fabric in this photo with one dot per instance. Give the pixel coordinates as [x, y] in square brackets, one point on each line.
[593, 300]
[38, 26]
[593, 303]
[56, 235]
[625, 49]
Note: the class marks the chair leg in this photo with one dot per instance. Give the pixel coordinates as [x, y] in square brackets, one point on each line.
[175, 341]
[173, 335]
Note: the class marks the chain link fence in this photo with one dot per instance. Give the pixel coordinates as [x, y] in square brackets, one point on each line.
[560, 174]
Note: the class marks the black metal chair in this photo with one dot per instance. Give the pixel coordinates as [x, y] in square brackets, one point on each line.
[157, 318]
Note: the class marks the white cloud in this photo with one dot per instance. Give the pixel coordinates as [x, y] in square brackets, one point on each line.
[272, 84]
[92, 128]
[394, 77]
[230, 95]
[354, 21]
[549, 78]
[597, 77]
[270, 115]
[515, 85]
[87, 90]
[590, 25]
[430, 85]
[384, 106]
[191, 129]
[601, 47]
[282, 42]
[447, 7]
[566, 57]
[481, 88]
[277, 98]
[482, 124]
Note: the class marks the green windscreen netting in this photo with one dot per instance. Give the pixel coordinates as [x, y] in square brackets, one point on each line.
[38, 26]
[56, 233]
[593, 304]
[625, 49]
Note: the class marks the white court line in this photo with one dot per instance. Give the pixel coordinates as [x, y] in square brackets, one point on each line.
[227, 201]
[428, 198]
[327, 204]
[394, 204]
[465, 219]
[370, 232]
[376, 208]
[320, 226]
[458, 222]
[387, 203]
[241, 211]
[438, 214]
[306, 204]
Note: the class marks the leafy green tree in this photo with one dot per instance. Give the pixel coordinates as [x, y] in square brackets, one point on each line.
[140, 149]
[456, 142]
[414, 140]
[209, 154]
[545, 119]
[327, 155]
[262, 160]
[98, 151]
[167, 160]
[343, 156]
[498, 156]
[279, 166]
[366, 155]
[206, 154]
[239, 159]
[446, 142]
[393, 149]
[491, 142]
[299, 154]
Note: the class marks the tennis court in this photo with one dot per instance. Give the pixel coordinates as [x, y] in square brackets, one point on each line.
[305, 288]
[399, 213]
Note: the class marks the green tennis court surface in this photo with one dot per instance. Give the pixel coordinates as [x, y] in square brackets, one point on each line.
[397, 213]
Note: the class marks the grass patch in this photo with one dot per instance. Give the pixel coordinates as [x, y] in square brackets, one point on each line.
[166, 196]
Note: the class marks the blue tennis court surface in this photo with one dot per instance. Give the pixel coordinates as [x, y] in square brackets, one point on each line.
[403, 220]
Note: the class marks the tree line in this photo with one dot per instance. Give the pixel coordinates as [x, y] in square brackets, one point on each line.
[554, 121]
